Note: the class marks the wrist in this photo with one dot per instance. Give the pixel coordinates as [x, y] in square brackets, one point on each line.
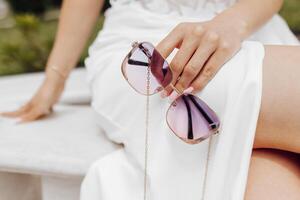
[63, 73]
[233, 19]
[55, 77]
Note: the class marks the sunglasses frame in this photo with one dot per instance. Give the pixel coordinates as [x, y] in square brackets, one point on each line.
[191, 141]
[135, 46]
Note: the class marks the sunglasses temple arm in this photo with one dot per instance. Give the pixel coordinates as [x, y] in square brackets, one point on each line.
[135, 62]
[190, 122]
[205, 115]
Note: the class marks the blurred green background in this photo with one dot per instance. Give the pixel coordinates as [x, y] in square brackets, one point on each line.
[27, 30]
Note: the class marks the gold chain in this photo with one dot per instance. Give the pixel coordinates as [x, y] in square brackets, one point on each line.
[206, 169]
[147, 145]
[146, 135]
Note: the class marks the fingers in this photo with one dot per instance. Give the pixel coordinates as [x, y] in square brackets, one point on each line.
[203, 49]
[215, 62]
[33, 115]
[181, 58]
[171, 41]
[206, 48]
[16, 113]
[41, 103]
[28, 113]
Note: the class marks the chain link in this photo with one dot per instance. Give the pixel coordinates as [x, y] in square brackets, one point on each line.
[206, 169]
[146, 151]
[147, 135]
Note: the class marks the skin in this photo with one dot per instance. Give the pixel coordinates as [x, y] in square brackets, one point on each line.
[73, 13]
[273, 175]
[278, 124]
[205, 46]
[203, 49]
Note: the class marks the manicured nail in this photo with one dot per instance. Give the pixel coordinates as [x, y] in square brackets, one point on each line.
[173, 96]
[188, 90]
[163, 94]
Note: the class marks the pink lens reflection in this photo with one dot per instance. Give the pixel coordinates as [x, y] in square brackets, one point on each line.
[191, 119]
[135, 69]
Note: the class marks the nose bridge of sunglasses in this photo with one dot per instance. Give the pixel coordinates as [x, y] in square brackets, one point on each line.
[173, 96]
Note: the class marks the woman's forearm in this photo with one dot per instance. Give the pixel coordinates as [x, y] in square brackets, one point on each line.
[249, 15]
[77, 19]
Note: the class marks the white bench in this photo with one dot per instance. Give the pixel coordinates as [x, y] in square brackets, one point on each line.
[47, 159]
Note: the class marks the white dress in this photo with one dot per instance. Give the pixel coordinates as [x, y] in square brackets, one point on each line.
[176, 169]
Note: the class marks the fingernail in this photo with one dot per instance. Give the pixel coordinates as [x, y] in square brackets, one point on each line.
[164, 94]
[173, 96]
[188, 90]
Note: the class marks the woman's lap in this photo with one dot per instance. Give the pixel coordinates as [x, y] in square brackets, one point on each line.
[113, 97]
[234, 94]
[276, 104]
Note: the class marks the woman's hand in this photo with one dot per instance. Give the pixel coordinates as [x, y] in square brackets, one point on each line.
[42, 102]
[203, 49]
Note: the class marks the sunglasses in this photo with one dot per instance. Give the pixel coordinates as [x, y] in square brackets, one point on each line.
[147, 72]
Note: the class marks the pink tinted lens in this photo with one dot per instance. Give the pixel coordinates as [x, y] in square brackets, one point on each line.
[191, 119]
[160, 69]
[139, 62]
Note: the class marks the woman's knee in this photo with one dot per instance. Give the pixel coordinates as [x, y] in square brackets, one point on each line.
[273, 174]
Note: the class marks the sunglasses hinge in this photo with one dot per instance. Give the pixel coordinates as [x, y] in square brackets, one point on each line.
[135, 44]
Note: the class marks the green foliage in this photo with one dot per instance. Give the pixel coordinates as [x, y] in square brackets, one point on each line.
[25, 48]
[32, 6]
[28, 23]
[291, 13]
[27, 51]
[26, 6]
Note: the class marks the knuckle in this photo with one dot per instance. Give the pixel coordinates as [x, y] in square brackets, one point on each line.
[191, 70]
[30, 105]
[198, 30]
[35, 112]
[208, 73]
[180, 86]
[39, 109]
[44, 111]
[225, 46]
[196, 86]
[27, 110]
[181, 26]
[175, 66]
[212, 37]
